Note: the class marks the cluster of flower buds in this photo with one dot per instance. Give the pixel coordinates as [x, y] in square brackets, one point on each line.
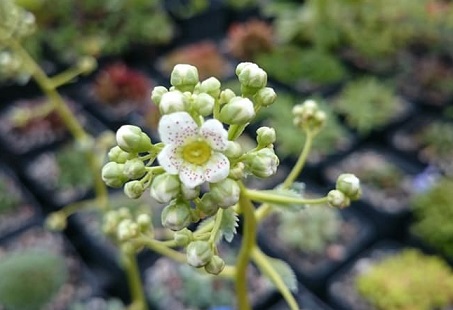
[201, 254]
[309, 116]
[123, 226]
[347, 189]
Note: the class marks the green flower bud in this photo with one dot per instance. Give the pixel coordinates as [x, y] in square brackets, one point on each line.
[251, 76]
[172, 101]
[204, 104]
[337, 199]
[265, 136]
[124, 213]
[189, 193]
[87, 64]
[199, 253]
[226, 95]
[157, 93]
[225, 193]
[308, 115]
[233, 150]
[215, 265]
[237, 172]
[210, 86]
[176, 215]
[265, 96]
[56, 221]
[262, 163]
[112, 174]
[165, 187]
[349, 185]
[238, 110]
[119, 156]
[132, 139]
[208, 206]
[183, 237]
[134, 189]
[134, 168]
[127, 229]
[111, 220]
[184, 77]
[144, 222]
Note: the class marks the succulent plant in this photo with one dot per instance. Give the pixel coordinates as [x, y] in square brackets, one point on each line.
[117, 83]
[9, 195]
[73, 168]
[310, 230]
[247, 40]
[204, 55]
[368, 104]
[433, 211]
[408, 280]
[30, 278]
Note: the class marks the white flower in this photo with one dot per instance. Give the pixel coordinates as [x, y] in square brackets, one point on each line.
[192, 152]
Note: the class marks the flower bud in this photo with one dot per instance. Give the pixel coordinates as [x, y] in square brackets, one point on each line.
[119, 156]
[127, 229]
[208, 206]
[349, 185]
[238, 110]
[134, 189]
[144, 222]
[210, 86]
[215, 265]
[189, 193]
[225, 193]
[172, 101]
[157, 93]
[238, 171]
[134, 168]
[112, 174]
[265, 96]
[262, 163]
[183, 237]
[132, 139]
[176, 215]
[233, 150]
[87, 64]
[110, 223]
[337, 199]
[56, 221]
[251, 76]
[226, 95]
[308, 115]
[204, 104]
[265, 136]
[199, 253]
[184, 77]
[165, 187]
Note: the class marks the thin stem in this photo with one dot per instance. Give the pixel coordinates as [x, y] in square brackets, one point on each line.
[66, 76]
[217, 223]
[162, 248]
[268, 197]
[292, 176]
[248, 242]
[134, 280]
[266, 268]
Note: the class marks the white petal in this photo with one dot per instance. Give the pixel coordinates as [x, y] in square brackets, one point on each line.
[217, 168]
[176, 127]
[212, 130]
[169, 159]
[191, 175]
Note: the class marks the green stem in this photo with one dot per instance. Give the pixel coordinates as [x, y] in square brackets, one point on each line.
[217, 223]
[268, 197]
[266, 268]
[134, 280]
[66, 76]
[248, 242]
[296, 170]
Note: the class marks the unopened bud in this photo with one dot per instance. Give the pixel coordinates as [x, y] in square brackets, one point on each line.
[238, 110]
[134, 189]
[208, 206]
[119, 156]
[265, 136]
[134, 168]
[225, 193]
[165, 187]
[112, 174]
[176, 215]
[349, 184]
[131, 138]
[199, 253]
[251, 76]
[172, 101]
[87, 64]
[157, 93]
[337, 199]
[265, 96]
[56, 221]
[144, 222]
[204, 104]
[215, 265]
[183, 237]
[226, 95]
[184, 77]
[262, 163]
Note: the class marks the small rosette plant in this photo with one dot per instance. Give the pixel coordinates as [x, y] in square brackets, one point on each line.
[197, 172]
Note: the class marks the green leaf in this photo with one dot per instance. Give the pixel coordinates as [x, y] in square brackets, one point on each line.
[296, 190]
[228, 225]
[285, 272]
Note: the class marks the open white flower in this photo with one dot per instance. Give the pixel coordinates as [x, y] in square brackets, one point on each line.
[192, 152]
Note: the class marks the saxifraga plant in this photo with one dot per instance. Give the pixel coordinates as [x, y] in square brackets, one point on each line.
[433, 212]
[30, 279]
[408, 280]
[72, 170]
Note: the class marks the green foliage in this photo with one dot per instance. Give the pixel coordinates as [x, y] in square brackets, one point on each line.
[74, 170]
[98, 303]
[291, 64]
[29, 279]
[285, 272]
[433, 212]
[437, 139]
[368, 104]
[9, 195]
[290, 139]
[309, 230]
[408, 280]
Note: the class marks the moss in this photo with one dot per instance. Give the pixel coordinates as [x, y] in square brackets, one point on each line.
[30, 279]
[408, 280]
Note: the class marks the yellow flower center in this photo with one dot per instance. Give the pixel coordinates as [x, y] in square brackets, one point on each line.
[196, 152]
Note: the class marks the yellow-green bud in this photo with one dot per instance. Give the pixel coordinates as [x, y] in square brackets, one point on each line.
[189, 193]
[165, 187]
[203, 104]
[337, 199]
[172, 101]
[119, 156]
[233, 150]
[238, 171]
[112, 174]
[199, 253]
[157, 93]
[127, 229]
[144, 222]
[208, 206]
[176, 215]
[215, 265]
[134, 168]
[262, 163]
[251, 76]
[210, 86]
[238, 110]
[226, 95]
[265, 96]
[87, 64]
[132, 139]
[184, 77]
[349, 185]
[134, 189]
[225, 193]
[265, 136]
[183, 237]
[56, 221]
